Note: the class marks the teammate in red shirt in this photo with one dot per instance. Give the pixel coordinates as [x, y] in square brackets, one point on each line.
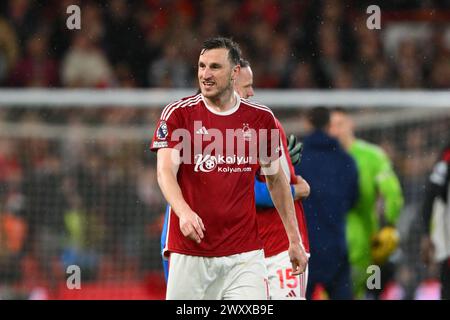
[213, 240]
[283, 285]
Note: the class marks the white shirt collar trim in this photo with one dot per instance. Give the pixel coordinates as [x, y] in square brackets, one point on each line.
[224, 113]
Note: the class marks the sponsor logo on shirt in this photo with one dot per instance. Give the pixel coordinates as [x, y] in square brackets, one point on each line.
[207, 163]
[242, 146]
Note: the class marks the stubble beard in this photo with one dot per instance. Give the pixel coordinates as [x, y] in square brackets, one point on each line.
[220, 93]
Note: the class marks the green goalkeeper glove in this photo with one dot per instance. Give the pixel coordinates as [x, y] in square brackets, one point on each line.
[295, 149]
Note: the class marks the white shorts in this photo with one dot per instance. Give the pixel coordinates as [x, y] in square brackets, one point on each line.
[282, 284]
[237, 277]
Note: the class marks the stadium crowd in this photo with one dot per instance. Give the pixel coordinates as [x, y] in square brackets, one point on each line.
[154, 43]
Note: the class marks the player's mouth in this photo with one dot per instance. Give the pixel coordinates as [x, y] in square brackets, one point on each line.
[208, 84]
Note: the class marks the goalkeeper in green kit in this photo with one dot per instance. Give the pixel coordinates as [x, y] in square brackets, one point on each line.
[371, 238]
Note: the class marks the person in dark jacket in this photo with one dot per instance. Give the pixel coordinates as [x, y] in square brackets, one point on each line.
[435, 242]
[333, 179]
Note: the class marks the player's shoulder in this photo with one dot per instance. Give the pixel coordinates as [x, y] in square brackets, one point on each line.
[180, 105]
[370, 149]
[341, 157]
[257, 107]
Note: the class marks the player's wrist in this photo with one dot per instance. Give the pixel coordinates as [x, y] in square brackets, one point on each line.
[184, 212]
[295, 241]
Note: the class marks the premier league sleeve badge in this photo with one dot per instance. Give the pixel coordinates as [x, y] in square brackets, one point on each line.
[162, 131]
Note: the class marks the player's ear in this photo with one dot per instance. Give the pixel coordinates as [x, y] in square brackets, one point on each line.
[236, 71]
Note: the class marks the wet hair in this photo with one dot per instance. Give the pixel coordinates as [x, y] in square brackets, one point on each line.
[319, 117]
[234, 52]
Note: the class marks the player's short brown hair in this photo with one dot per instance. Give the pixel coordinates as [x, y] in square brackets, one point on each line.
[234, 52]
[319, 117]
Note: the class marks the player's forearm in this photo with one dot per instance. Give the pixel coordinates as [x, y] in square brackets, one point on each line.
[282, 199]
[171, 190]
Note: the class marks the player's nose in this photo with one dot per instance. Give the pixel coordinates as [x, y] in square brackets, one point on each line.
[207, 74]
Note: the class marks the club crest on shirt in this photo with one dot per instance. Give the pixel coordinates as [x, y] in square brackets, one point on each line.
[162, 131]
[246, 132]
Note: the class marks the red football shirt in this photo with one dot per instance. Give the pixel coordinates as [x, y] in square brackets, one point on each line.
[217, 183]
[270, 225]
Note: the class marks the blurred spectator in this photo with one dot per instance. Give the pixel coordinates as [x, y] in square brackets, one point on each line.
[302, 76]
[409, 67]
[343, 78]
[368, 53]
[436, 220]
[170, 70]
[23, 17]
[13, 225]
[83, 233]
[85, 65]
[279, 64]
[415, 163]
[124, 41]
[36, 68]
[329, 61]
[9, 163]
[45, 207]
[440, 73]
[9, 49]
[379, 75]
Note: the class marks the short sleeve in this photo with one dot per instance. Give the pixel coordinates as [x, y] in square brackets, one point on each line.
[270, 141]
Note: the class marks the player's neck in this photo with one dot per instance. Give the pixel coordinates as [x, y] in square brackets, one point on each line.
[222, 103]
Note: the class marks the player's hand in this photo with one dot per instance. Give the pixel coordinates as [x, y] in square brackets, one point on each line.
[384, 243]
[302, 188]
[298, 257]
[191, 225]
[295, 149]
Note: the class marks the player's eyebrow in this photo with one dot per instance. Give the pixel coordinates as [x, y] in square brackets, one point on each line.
[213, 65]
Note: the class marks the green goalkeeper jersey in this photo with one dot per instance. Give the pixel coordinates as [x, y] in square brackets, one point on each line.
[376, 179]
